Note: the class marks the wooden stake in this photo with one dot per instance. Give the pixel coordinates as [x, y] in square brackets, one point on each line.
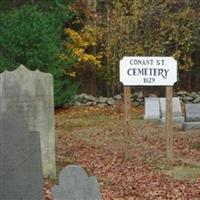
[169, 122]
[127, 107]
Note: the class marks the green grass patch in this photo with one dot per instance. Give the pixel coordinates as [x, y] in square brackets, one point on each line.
[189, 173]
[195, 145]
[158, 164]
[96, 120]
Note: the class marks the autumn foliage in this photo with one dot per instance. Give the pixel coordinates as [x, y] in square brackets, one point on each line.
[72, 39]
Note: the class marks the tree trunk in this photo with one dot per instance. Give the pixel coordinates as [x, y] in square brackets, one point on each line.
[189, 81]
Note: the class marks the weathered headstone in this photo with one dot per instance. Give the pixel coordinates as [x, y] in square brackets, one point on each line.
[191, 125]
[192, 116]
[192, 112]
[152, 108]
[31, 94]
[177, 111]
[20, 160]
[74, 184]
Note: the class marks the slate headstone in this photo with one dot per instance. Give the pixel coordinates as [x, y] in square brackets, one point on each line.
[74, 184]
[152, 108]
[31, 93]
[190, 125]
[192, 112]
[20, 160]
[177, 111]
[192, 116]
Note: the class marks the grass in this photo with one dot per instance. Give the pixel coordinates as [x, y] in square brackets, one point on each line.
[157, 164]
[195, 145]
[85, 122]
[188, 173]
[180, 171]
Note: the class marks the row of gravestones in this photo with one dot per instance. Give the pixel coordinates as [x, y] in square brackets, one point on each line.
[155, 108]
[27, 141]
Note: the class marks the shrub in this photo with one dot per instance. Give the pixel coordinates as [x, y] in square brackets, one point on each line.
[32, 37]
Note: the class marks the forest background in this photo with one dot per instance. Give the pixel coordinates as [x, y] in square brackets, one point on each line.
[81, 41]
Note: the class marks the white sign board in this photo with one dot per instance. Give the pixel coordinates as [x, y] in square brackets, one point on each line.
[152, 71]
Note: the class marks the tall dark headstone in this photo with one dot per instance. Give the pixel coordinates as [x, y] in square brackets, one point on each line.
[192, 116]
[20, 160]
[74, 184]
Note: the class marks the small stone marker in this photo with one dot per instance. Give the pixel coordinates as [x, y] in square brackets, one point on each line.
[177, 112]
[192, 112]
[20, 160]
[30, 93]
[152, 108]
[191, 125]
[192, 116]
[74, 184]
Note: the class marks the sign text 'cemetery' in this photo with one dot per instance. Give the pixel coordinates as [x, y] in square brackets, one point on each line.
[148, 71]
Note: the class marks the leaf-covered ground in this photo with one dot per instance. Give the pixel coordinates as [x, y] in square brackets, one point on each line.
[94, 138]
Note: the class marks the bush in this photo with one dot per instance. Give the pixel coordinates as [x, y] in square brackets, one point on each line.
[32, 37]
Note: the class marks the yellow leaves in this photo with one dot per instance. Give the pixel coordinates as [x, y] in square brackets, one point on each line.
[177, 54]
[81, 41]
[63, 57]
[71, 74]
[78, 51]
[73, 35]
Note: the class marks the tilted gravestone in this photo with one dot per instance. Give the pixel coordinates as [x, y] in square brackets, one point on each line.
[20, 160]
[192, 116]
[74, 184]
[176, 107]
[152, 108]
[31, 94]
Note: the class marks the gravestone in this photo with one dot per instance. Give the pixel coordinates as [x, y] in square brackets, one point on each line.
[20, 160]
[176, 107]
[152, 108]
[74, 184]
[31, 94]
[192, 112]
[192, 116]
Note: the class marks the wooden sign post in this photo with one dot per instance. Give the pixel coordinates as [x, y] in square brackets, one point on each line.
[149, 71]
[169, 122]
[127, 109]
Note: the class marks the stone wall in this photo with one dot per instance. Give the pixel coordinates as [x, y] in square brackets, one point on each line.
[137, 99]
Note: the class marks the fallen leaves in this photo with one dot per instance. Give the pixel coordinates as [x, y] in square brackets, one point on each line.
[98, 148]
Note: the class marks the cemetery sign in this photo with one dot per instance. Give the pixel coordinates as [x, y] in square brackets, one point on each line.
[148, 71]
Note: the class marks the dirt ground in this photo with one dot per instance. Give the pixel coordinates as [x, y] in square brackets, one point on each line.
[93, 137]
